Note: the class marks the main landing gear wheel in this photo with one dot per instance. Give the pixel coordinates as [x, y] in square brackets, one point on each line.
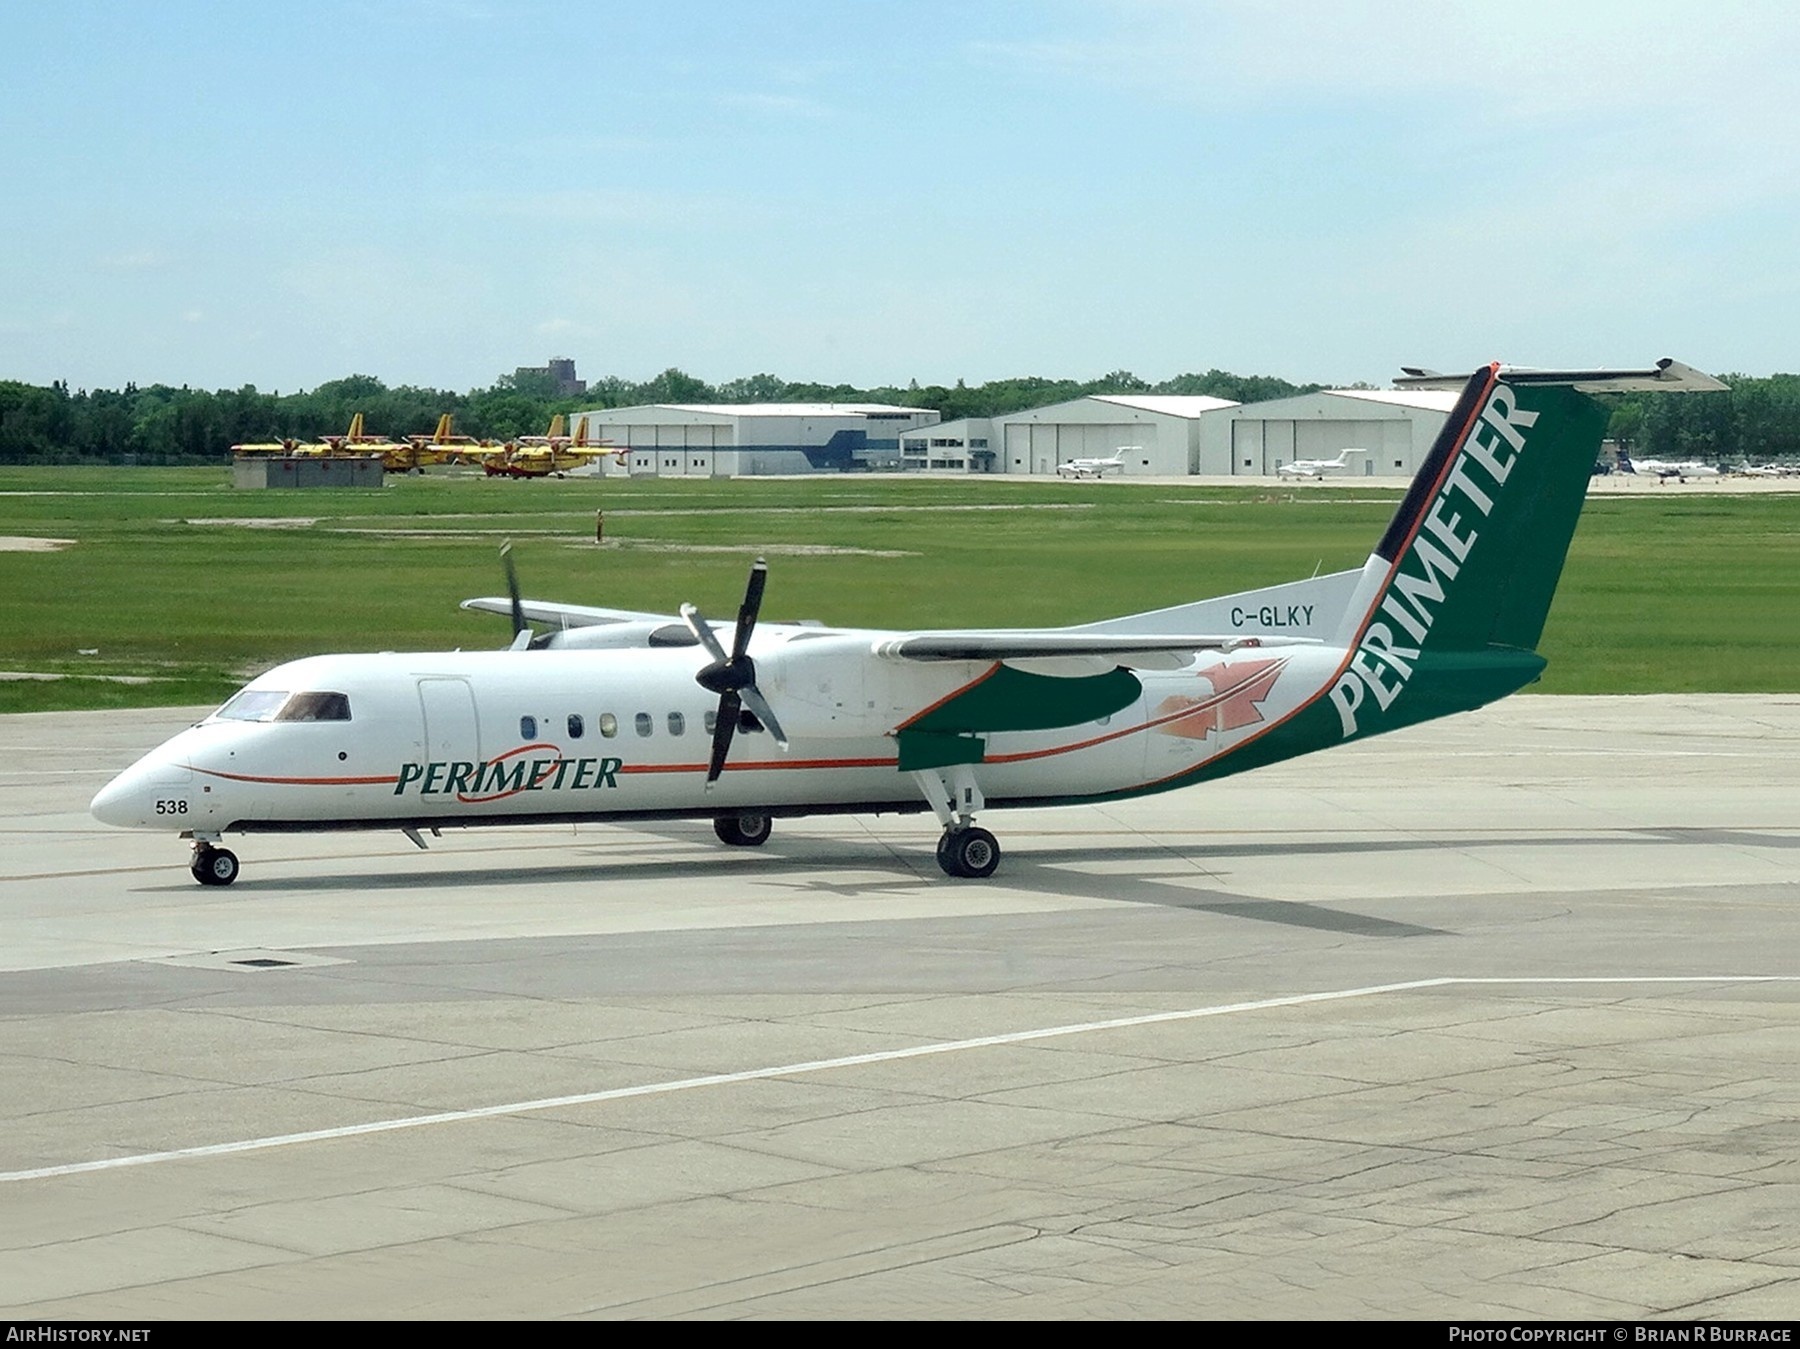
[971, 854]
[744, 831]
[214, 866]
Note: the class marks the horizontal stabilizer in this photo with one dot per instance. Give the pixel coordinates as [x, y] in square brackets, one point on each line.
[1666, 376]
[1026, 645]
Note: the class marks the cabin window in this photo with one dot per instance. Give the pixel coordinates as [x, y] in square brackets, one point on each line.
[577, 728]
[609, 725]
[254, 705]
[645, 723]
[712, 722]
[528, 728]
[677, 723]
[315, 707]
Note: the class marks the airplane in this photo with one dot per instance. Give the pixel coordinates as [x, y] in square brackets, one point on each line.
[619, 715]
[442, 446]
[1681, 470]
[541, 456]
[1095, 468]
[354, 443]
[1317, 468]
[251, 449]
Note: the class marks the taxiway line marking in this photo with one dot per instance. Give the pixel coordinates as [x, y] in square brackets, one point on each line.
[848, 1061]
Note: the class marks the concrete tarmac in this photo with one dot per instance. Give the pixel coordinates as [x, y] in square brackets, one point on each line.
[1492, 1018]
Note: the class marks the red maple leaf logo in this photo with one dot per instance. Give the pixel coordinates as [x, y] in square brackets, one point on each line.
[1237, 688]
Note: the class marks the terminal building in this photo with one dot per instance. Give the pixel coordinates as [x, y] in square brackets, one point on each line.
[746, 440]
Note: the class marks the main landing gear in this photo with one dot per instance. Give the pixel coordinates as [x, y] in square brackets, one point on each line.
[964, 851]
[213, 866]
[744, 831]
[968, 853]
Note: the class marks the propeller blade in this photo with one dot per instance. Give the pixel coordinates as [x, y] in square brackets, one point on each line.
[748, 610]
[759, 705]
[703, 633]
[723, 729]
[512, 589]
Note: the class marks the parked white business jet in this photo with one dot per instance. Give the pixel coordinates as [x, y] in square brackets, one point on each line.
[1316, 468]
[1679, 469]
[1096, 468]
[618, 715]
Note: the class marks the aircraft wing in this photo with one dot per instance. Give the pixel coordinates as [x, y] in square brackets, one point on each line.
[566, 615]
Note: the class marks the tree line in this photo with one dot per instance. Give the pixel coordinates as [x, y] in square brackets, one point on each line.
[1758, 420]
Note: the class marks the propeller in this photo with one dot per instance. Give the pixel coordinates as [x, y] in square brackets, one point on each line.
[521, 629]
[733, 677]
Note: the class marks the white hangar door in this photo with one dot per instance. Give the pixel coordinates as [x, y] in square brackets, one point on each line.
[1018, 449]
[698, 444]
[1102, 440]
[1247, 447]
[1278, 445]
[1327, 439]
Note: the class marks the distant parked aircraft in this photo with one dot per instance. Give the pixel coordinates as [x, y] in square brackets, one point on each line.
[541, 456]
[1095, 468]
[1315, 468]
[1679, 469]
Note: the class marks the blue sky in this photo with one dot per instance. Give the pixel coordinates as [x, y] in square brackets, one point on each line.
[436, 191]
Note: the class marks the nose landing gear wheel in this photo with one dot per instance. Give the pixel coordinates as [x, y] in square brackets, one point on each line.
[970, 854]
[214, 866]
[744, 831]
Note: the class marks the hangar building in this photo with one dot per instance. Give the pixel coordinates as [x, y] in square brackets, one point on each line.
[1160, 432]
[1395, 426]
[732, 440]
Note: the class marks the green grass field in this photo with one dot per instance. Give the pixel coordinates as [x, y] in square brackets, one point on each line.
[175, 576]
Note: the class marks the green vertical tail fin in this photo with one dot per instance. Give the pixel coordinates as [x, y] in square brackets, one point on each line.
[1453, 600]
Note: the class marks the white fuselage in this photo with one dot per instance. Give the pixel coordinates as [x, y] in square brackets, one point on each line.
[487, 737]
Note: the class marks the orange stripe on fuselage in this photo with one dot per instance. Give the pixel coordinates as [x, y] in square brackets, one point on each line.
[295, 782]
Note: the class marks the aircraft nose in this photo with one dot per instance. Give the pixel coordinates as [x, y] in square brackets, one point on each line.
[130, 800]
[120, 802]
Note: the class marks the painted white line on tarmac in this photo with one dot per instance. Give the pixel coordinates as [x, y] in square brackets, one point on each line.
[849, 1061]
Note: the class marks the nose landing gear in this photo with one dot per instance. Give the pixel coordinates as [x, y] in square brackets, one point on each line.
[213, 866]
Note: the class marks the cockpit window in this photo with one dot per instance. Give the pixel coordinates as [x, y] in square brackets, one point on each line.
[254, 705]
[315, 707]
